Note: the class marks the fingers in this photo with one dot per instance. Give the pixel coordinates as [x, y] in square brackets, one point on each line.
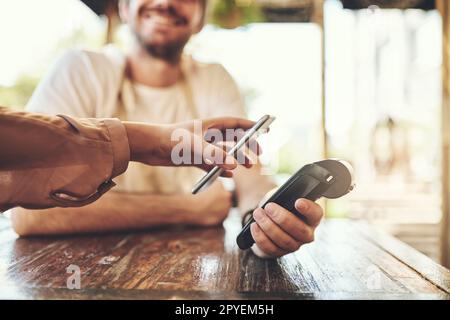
[310, 210]
[233, 123]
[289, 223]
[264, 243]
[278, 232]
[228, 123]
[212, 155]
[227, 174]
[215, 155]
[207, 168]
[250, 146]
[241, 155]
[254, 147]
[228, 140]
[277, 235]
[244, 159]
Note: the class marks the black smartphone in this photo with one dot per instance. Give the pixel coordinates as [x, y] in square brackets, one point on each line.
[328, 178]
[252, 133]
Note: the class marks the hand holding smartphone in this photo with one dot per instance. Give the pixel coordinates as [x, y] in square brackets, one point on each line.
[261, 126]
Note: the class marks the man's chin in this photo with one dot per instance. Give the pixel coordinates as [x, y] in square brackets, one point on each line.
[163, 47]
[163, 35]
[170, 52]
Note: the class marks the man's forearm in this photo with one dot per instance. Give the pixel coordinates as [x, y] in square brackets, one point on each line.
[114, 211]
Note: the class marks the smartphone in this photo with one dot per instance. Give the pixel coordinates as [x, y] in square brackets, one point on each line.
[260, 126]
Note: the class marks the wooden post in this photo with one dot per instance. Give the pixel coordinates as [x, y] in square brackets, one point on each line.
[112, 20]
[318, 18]
[444, 8]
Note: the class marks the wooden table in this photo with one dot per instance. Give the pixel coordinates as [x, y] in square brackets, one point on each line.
[348, 260]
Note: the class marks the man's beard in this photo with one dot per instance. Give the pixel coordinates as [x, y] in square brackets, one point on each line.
[169, 52]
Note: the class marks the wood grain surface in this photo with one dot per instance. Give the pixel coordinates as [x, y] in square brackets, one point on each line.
[348, 260]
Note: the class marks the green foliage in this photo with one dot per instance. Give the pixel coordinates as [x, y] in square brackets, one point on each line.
[231, 13]
[17, 95]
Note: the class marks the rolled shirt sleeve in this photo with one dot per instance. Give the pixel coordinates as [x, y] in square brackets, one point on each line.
[119, 145]
[48, 161]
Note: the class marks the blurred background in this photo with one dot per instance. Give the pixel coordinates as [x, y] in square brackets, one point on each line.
[354, 79]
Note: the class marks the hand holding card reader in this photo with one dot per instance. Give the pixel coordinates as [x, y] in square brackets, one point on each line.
[328, 178]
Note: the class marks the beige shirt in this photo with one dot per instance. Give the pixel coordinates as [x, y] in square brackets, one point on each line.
[93, 84]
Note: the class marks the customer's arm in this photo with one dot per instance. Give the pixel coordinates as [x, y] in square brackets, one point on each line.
[44, 157]
[49, 161]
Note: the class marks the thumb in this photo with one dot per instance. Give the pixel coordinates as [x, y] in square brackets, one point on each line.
[213, 155]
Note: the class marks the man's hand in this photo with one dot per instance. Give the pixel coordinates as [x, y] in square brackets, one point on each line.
[155, 144]
[211, 207]
[278, 232]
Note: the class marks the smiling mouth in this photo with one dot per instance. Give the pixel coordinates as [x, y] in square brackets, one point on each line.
[163, 19]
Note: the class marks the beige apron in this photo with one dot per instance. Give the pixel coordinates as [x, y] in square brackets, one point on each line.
[152, 179]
